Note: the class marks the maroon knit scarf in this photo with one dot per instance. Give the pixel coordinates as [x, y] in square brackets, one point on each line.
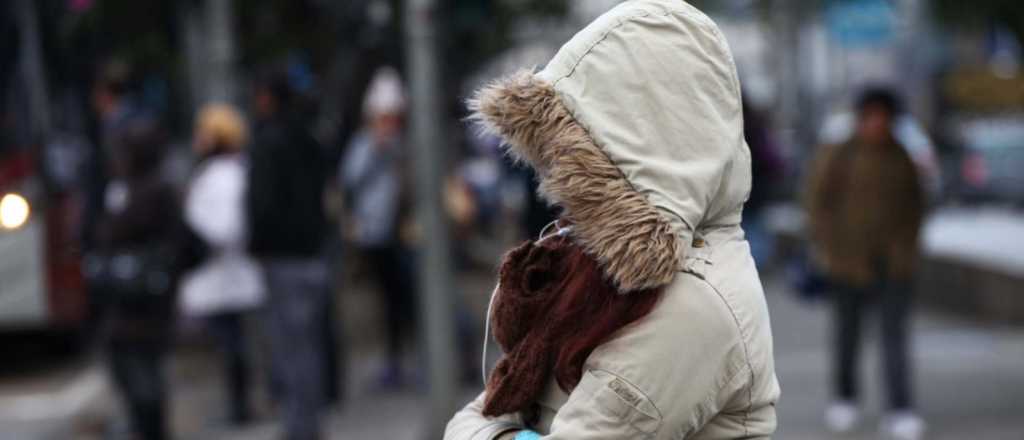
[553, 308]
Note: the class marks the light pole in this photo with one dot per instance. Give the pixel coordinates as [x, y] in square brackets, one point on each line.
[436, 294]
[220, 31]
[32, 70]
[207, 29]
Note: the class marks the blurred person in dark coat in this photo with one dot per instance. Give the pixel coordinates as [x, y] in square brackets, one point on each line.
[287, 226]
[227, 283]
[372, 176]
[767, 170]
[133, 270]
[865, 206]
[115, 108]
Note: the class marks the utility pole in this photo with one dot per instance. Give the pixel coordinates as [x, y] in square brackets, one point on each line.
[192, 35]
[436, 292]
[32, 70]
[220, 28]
[207, 29]
[787, 30]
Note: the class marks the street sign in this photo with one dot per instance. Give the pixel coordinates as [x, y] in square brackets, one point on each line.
[861, 23]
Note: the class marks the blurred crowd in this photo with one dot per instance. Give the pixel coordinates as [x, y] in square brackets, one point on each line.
[250, 243]
[249, 234]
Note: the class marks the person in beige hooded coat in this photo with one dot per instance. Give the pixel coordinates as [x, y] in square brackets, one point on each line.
[635, 130]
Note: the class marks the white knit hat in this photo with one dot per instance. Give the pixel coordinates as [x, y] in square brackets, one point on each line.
[386, 95]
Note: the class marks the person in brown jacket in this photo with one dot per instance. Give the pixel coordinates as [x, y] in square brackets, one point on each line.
[865, 207]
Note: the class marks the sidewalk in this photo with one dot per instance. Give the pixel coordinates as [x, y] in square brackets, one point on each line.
[987, 237]
[968, 374]
[968, 383]
[366, 413]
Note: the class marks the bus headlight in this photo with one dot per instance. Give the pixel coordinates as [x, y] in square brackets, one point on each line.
[14, 211]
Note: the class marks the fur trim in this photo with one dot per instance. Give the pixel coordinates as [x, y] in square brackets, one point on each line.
[632, 240]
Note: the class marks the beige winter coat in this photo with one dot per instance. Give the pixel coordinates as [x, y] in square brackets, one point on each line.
[635, 129]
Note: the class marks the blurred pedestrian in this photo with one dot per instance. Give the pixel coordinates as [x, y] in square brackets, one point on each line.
[287, 227]
[865, 207]
[643, 315]
[228, 283]
[767, 170]
[373, 177]
[115, 107]
[133, 270]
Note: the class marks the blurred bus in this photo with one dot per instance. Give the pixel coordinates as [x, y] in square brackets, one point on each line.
[41, 286]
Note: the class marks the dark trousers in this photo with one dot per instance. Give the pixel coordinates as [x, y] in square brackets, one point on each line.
[229, 329]
[392, 267]
[137, 371]
[893, 300]
[335, 363]
[297, 298]
[335, 356]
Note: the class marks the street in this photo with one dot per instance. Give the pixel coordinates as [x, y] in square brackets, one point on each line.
[968, 374]
[965, 374]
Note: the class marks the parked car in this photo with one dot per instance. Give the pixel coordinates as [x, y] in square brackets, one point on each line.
[42, 287]
[990, 160]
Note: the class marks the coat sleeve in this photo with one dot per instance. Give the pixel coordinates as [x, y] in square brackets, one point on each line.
[665, 378]
[470, 424]
[607, 406]
[906, 226]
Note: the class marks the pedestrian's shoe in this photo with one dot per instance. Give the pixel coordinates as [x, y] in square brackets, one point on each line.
[842, 416]
[902, 425]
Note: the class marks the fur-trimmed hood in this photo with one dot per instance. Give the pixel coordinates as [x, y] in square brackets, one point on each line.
[636, 130]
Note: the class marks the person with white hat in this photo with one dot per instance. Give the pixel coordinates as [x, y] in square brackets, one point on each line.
[372, 177]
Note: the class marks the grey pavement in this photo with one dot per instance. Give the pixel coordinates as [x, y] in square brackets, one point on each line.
[969, 382]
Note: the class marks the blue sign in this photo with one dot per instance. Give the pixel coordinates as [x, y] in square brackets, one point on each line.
[861, 23]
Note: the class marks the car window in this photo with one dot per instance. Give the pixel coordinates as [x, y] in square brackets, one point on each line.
[992, 136]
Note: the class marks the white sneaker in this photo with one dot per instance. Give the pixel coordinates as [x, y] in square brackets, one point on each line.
[842, 416]
[903, 425]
